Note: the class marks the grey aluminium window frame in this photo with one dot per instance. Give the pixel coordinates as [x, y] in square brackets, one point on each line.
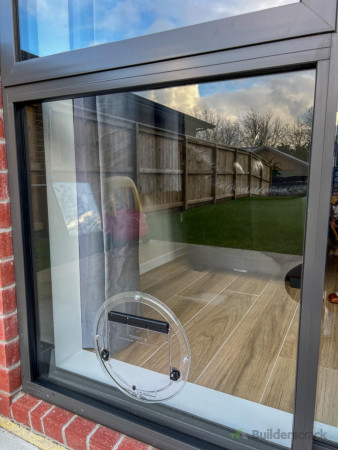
[299, 19]
[314, 44]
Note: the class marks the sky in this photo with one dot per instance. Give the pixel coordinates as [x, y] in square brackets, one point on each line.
[82, 23]
[286, 95]
[49, 26]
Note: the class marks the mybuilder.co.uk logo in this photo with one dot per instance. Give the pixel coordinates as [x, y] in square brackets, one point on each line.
[238, 434]
[271, 434]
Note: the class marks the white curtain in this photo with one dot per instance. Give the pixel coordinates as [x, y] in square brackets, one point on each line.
[107, 267]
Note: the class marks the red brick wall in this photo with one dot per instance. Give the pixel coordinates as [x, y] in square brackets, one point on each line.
[42, 418]
[10, 376]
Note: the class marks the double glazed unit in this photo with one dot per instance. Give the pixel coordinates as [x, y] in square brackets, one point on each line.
[171, 181]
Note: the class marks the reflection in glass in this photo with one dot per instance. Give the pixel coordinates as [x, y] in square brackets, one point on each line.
[326, 415]
[83, 24]
[197, 196]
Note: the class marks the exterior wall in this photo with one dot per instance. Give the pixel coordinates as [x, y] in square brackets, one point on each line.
[44, 419]
[10, 376]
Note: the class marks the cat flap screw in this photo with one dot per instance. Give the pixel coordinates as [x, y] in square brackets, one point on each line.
[105, 355]
[175, 374]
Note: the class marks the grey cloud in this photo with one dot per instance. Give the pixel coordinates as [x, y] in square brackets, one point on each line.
[286, 95]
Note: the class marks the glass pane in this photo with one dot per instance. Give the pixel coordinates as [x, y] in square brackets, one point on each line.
[326, 416]
[195, 195]
[83, 24]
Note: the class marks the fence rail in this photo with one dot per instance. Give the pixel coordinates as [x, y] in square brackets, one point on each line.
[174, 170]
[182, 171]
[170, 169]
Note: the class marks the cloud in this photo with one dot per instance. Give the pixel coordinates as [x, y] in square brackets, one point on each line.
[286, 95]
[47, 26]
[114, 20]
[183, 98]
[128, 18]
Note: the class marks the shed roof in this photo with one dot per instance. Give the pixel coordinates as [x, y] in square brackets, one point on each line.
[277, 152]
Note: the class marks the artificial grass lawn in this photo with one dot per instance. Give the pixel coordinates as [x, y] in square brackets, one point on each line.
[42, 257]
[272, 224]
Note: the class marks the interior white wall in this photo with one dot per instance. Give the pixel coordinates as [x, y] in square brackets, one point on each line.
[65, 276]
[64, 246]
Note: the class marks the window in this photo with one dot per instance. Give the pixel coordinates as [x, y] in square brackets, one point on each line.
[84, 24]
[326, 424]
[195, 195]
[192, 168]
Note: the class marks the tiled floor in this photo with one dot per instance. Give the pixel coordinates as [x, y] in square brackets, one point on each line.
[242, 332]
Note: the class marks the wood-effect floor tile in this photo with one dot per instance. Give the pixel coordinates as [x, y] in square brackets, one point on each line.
[244, 363]
[208, 329]
[246, 284]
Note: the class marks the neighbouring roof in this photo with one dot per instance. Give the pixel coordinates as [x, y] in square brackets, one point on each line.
[141, 110]
[277, 152]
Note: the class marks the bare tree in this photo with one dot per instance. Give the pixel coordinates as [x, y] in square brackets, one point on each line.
[298, 136]
[308, 117]
[223, 132]
[258, 129]
[229, 133]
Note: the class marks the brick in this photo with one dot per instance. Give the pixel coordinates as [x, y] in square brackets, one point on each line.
[5, 404]
[76, 433]
[3, 157]
[5, 215]
[2, 130]
[7, 300]
[7, 276]
[8, 327]
[132, 444]
[10, 379]
[6, 248]
[4, 192]
[104, 439]
[54, 421]
[9, 353]
[22, 407]
[37, 414]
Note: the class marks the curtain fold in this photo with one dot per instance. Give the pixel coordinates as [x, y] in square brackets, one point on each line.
[107, 267]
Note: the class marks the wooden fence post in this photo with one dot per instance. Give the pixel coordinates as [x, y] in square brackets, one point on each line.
[185, 174]
[137, 157]
[235, 174]
[261, 180]
[214, 184]
[250, 172]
